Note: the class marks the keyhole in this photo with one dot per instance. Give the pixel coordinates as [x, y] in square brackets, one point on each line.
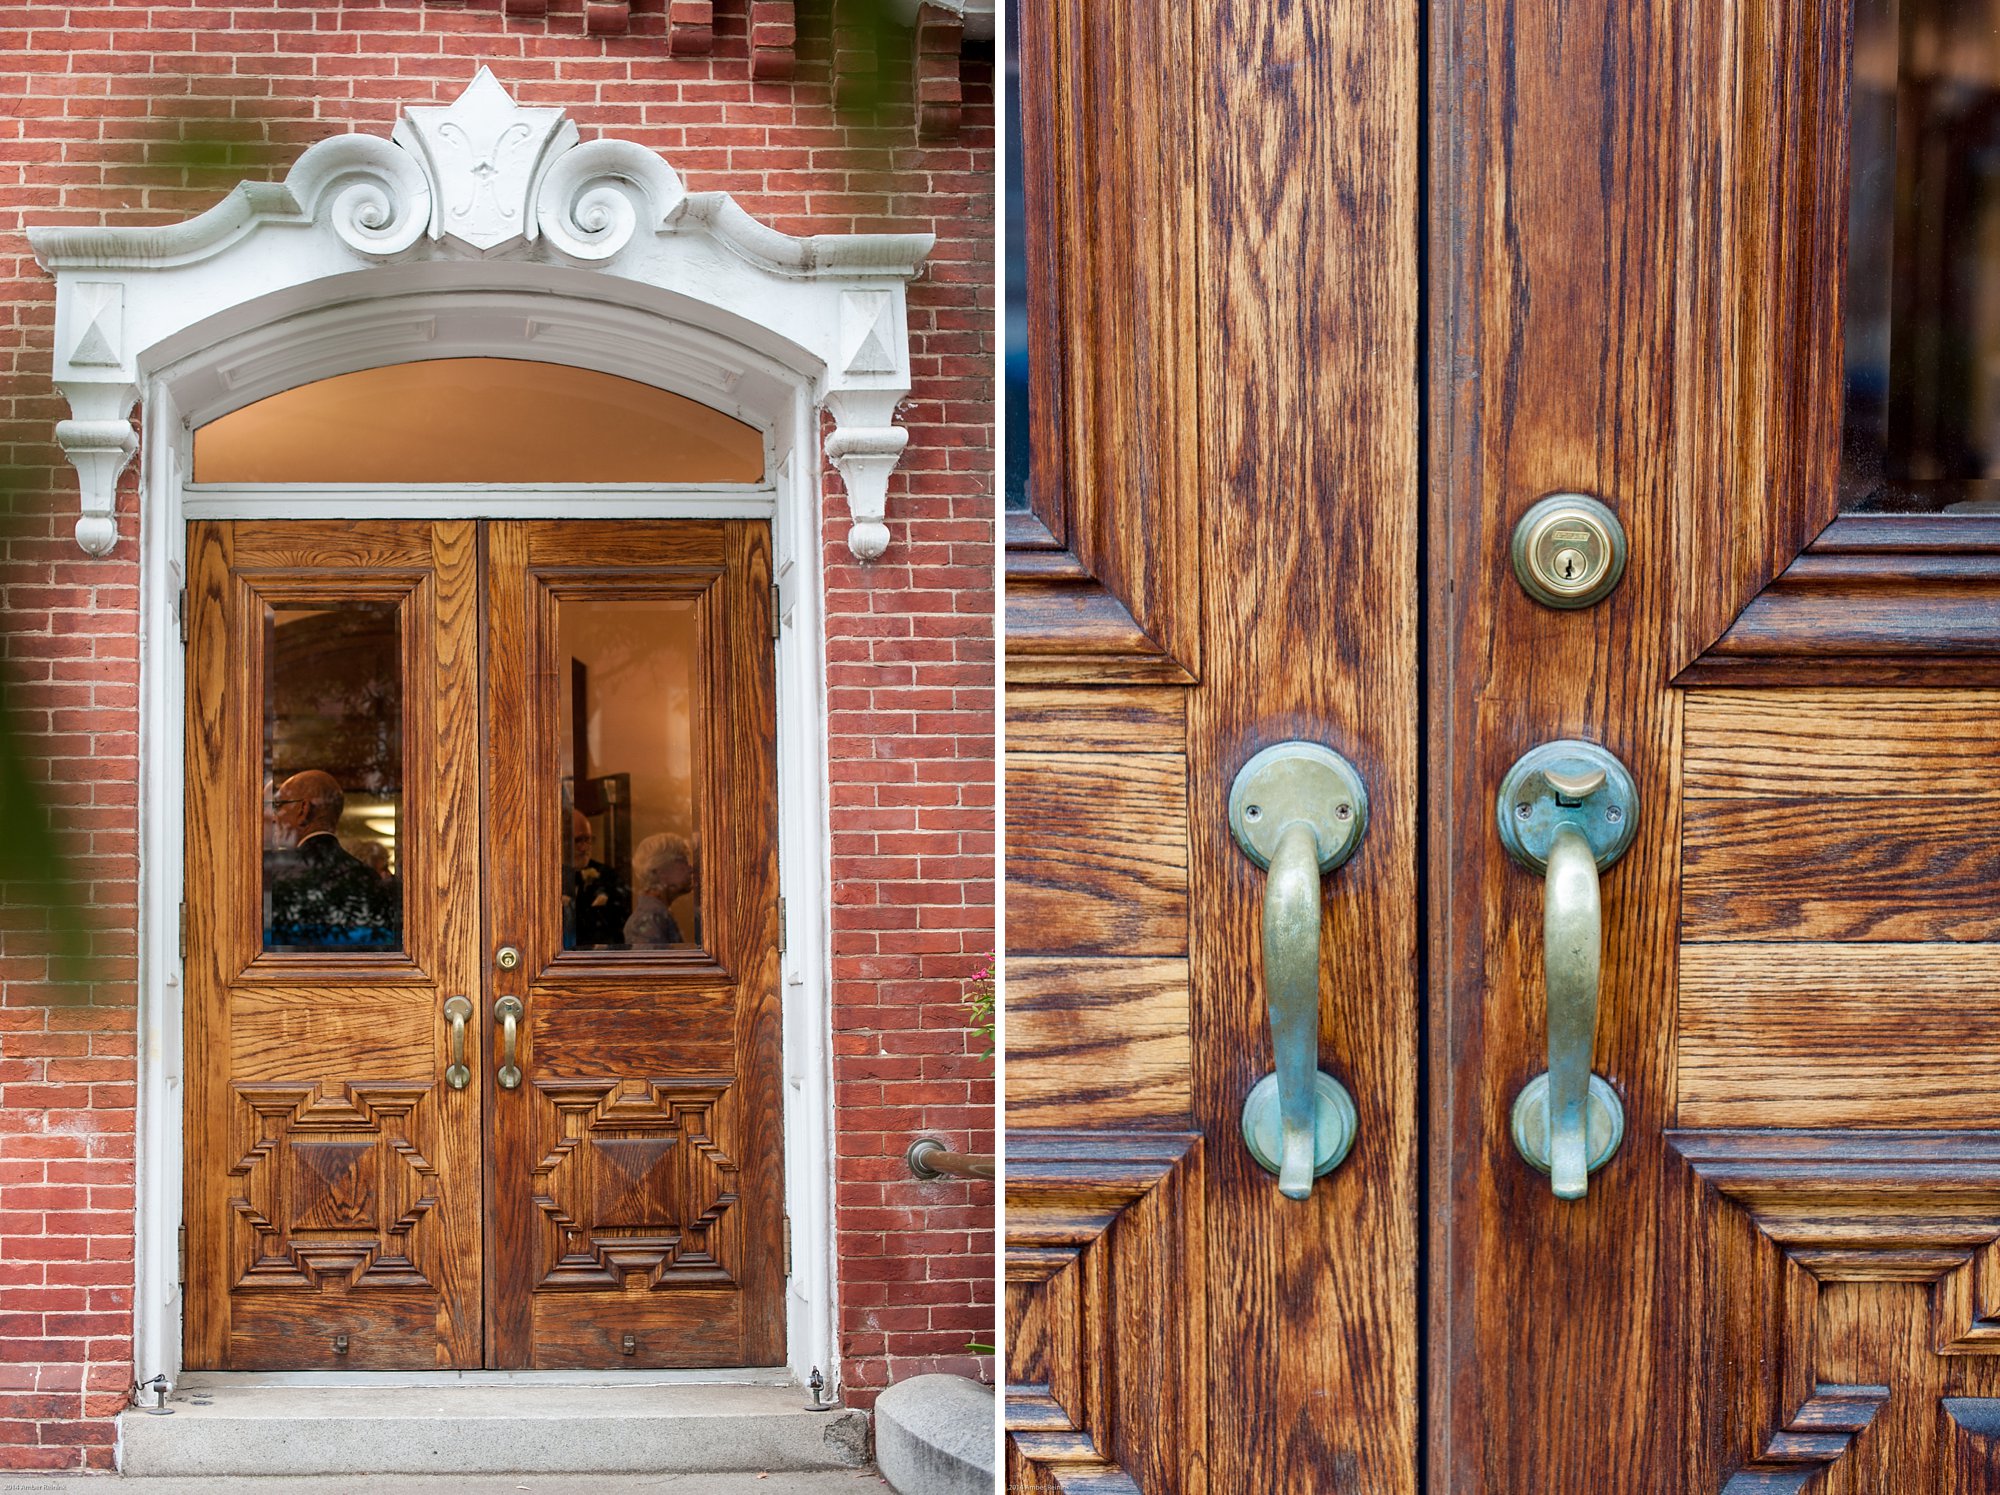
[1569, 564]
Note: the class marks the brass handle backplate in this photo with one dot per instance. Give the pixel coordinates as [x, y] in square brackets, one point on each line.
[1298, 810]
[507, 1012]
[1567, 811]
[457, 1011]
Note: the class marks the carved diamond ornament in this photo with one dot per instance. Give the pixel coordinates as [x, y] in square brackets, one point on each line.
[473, 196]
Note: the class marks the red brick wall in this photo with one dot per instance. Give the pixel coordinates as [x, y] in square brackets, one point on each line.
[88, 115]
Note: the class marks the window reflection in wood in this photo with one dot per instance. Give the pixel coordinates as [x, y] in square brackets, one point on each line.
[477, 420]
[630, 761]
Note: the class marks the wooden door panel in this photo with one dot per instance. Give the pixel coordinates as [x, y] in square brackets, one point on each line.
[1107, 1380]
[333, 1199]
[1634, 229]
[1838, 1301]
[1103, 1040]
[1225, 501]
[1834, 972]
[1841, 816]
[1104, 578]
[1097, 908]
[635, 1174]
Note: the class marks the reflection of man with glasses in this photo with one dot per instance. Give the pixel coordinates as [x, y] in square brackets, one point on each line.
[595, 900]
[317, 895]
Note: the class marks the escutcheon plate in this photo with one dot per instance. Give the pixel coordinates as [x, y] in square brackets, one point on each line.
[1534, 800]
[1291, 781]
[1335, 1121]
[1603, 1123]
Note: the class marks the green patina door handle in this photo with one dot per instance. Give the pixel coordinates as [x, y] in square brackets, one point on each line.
[1298, 810]
[1566, 810]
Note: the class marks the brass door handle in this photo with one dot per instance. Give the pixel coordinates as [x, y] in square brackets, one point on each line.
[507, 1012]
[457, 1011]
[1567, 811]
[1297, 810]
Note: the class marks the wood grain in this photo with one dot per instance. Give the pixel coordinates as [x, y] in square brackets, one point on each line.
[1842, 744]
[635, 1185]
[1634, 225]
[1103, 582]
[1839, 1035]
[1096, 853]
[332, 1179]
[1309, 428]
[1097, 1042]
[1106, 719]
[1841, 869]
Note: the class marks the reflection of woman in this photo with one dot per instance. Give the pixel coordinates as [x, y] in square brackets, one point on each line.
[662, 870]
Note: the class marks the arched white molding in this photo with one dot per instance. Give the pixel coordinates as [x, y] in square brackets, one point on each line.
[479, 185]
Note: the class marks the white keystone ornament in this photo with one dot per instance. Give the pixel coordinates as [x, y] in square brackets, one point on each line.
[485, 155]
[475, 195]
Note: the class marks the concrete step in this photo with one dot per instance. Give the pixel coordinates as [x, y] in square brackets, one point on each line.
[217, 1428]
[816, 1482]
[934, 1435]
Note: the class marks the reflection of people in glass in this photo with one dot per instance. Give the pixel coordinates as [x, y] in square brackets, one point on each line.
[317, 895]
[596, 903]
[663, 869]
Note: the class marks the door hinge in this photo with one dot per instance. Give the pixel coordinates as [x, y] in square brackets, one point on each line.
[781, 926]
[788, 1245]
[775, 609]
[184, 929]
[182, 1247]
[181, 613]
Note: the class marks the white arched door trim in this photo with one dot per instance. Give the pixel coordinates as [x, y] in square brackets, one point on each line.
[499, 191]
[360, 259]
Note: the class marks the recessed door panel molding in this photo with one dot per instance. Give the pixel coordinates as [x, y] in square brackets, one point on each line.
[483, 1022]
[1103, 569]
[1107, 1382]
[1839, 1302]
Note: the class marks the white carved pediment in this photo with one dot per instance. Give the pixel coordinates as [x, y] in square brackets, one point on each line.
[481, 179]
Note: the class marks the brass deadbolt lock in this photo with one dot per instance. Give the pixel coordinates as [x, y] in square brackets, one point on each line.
[1569, 550]
[507, 957]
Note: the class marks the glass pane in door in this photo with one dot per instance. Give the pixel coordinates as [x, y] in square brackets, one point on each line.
[1922, 361]
[630, 758]
[333, 777]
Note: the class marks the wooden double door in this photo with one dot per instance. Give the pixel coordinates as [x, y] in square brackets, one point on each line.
[1325, 299]
[482, 1030]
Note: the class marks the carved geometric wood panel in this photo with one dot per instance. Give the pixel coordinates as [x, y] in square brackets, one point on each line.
[331, 1187]
[1106, 1317]
[1842, 1287]
[632, 1188]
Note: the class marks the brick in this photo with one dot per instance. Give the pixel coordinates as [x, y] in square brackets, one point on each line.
[739, 99]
